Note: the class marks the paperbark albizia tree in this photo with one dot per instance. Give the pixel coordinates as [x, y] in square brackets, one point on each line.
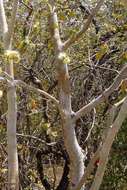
[67, 115]
[78, 173]
[7, 32]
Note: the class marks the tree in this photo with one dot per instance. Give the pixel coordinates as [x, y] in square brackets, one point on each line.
[78, 174]
[7, 33]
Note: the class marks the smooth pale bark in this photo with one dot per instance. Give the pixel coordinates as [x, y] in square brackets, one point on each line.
[3, 27]
[74, 150]
[13, 181]
[68, 118]
[68, 123]
[104, 153]
[103, 150]
[7, 32]
[104, 96]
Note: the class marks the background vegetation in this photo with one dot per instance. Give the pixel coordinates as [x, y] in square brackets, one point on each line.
[95, 60]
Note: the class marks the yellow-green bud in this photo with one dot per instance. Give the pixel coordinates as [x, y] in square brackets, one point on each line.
[12, 55]
[64, 58]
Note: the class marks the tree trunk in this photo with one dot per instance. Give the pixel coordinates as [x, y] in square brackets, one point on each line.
[7, 32]
[11, 139]
[68, 125]
[74, 150]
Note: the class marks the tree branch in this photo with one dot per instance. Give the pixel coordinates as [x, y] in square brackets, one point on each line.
[3, 22]
[32, 88]
[77, 36]
[102, 152]
[54, 26]
[37, 139]
[84, 110]
[40, 170]
[93, 124]
[9, 35]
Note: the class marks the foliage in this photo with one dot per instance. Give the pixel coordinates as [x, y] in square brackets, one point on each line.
[93, 64]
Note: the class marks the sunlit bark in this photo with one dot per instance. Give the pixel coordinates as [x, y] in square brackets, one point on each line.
[7, 32]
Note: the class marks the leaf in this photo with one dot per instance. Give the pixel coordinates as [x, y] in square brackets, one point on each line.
[62, 17]
[36, 25]
[123, 86]
[72, 14]
[123, 57]
[46, 126]
[99, 55]
[103, 50]
[33, 104]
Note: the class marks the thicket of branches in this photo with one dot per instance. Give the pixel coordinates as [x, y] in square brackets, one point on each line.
[96, 55]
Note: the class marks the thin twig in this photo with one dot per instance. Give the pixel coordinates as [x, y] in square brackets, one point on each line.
[93, 123]
[36, 138]
[77, 36]
[32, 88]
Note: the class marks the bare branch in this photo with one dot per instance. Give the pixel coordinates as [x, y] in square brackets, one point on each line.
[27, 6]
[122, 75]
[54, 26]
[93, 123]
[104, 153]
[8, 31]
[6, 76]
[36, 138]
[32, 88]
[9, 36]
[3, 22]
[77, 36]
